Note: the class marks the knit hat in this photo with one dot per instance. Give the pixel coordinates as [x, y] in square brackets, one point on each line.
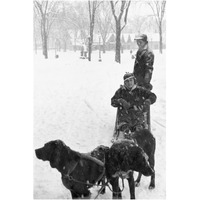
[128, 76]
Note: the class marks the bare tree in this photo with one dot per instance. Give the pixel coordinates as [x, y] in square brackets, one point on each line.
[158, 8]
[119, 7]
[46, 13]
[104, 22]
[60, 30]
[138, 22]
[92, 6]
[77, 20]
[150, 24]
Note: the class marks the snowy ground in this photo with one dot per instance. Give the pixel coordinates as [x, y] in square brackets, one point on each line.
[72, 103]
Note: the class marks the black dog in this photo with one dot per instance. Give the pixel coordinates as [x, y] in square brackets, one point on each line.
[147, 142]
[99, 153]
[79, 171]
[122, 158]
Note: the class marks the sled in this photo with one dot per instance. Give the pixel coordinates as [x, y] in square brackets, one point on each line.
[117, 134]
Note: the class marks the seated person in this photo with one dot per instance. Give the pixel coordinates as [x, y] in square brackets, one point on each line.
[132, 101]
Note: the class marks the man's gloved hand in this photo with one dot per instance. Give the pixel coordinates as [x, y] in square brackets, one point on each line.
[124, 103]
[146, 105]
[148, 86]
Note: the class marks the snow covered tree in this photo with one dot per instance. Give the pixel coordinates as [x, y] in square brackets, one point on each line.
[46, 12]
[158, 8]
[92, 6]
[120, 11]
[76, 19]
[104, 22]
[138, 23]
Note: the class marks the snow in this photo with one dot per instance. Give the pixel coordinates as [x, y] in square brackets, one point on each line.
[72, 103]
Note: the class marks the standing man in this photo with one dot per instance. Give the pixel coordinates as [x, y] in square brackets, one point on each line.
[143, 68]
[144, 60]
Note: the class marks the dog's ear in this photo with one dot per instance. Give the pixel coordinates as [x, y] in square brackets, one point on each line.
[105, 149]
[56, 153]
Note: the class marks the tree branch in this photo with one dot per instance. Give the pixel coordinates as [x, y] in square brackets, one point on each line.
[126, 14]
[150, 4]
[163, 9]
[121, 10]
[113, 10]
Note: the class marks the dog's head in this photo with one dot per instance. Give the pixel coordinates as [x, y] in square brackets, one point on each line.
[51, 152]
[100, 152]
[126, 155]
[56, 152]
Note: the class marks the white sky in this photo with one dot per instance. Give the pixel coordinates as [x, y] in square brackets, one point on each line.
[139, 8]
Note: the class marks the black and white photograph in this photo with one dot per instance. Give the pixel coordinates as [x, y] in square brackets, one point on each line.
[99, 99]
[99, 129]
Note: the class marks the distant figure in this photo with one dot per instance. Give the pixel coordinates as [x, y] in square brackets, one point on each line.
[143, 67]
[83, 51]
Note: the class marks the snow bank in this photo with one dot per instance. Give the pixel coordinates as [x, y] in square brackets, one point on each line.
[72, 103]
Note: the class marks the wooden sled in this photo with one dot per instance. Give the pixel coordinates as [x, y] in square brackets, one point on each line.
[117, 134]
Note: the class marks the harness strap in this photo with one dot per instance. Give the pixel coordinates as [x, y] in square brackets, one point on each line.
[87, 156]
[102, 174]
[72, 169]
[86, 183]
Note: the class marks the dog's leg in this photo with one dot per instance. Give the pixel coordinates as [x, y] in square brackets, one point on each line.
[137, 182]
[115, 187]
[75, 195]
[131, 185]
[87, 195]
[152, 182]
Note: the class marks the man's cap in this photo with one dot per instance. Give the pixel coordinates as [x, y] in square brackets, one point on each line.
[128, 76]
[141, 37]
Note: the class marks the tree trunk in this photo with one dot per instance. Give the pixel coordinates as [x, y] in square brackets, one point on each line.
[91, 39]
[89, 49]
[44, 39]
[104, 46]
[45, 46]
[160, 34]
[118, 42]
